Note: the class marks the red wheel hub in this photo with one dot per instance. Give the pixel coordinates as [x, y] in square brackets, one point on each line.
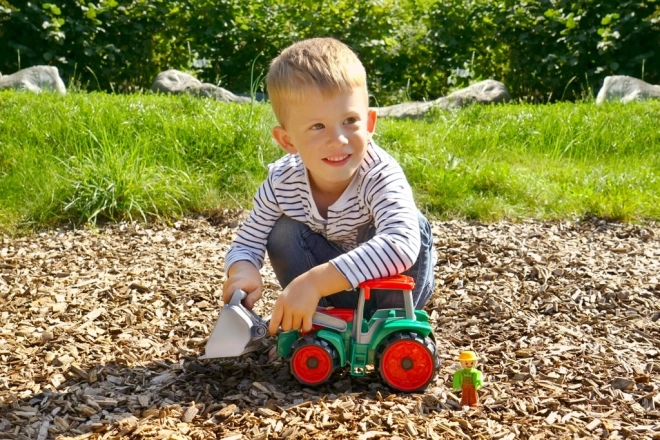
[407, 365]
[311, 364]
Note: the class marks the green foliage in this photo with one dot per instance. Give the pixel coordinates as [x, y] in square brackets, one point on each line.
[104, 45]
[542, 50]
[546, 50]
[541, 161]
[112, 182]
[563, 49]
[386, 34]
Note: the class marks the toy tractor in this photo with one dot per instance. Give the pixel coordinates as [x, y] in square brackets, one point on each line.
[398, 343]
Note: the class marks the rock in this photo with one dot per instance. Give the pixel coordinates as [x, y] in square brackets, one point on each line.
[34, 79]
[406, 109]
[626, 89]
[488, 91]
[211, 91]
[174, 81]
[484, 92]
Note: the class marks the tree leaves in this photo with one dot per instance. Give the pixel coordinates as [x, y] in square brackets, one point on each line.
[411, 50]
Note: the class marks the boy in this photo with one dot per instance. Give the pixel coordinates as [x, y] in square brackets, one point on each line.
[336, 210]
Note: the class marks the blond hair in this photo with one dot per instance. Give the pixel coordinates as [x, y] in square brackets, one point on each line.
[324, 64]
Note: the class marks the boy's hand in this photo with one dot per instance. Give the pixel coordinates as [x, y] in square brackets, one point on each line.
[296, 305]
[245, 276]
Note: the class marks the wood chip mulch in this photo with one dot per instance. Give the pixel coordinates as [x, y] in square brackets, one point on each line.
[101, 330]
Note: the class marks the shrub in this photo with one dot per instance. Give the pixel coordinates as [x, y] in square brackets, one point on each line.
[101, 45]
[412, 50]
[560, 49]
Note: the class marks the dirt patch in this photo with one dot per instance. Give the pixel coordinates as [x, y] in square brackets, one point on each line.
[101, 329]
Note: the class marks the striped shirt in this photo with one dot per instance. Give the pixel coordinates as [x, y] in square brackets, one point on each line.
[379, 194]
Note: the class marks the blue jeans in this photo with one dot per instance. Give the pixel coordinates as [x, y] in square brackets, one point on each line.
[293, 249]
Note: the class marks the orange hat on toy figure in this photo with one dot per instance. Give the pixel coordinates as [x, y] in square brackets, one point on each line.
[468, 356]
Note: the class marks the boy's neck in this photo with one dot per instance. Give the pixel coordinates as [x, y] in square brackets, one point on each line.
[324, 197]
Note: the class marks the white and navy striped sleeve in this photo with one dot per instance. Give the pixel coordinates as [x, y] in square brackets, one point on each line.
[250, 243]
[396, 244]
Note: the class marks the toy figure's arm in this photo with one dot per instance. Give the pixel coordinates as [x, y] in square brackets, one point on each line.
[458, 381]
[478, 379]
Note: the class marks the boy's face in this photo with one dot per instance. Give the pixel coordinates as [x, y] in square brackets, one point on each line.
[330, 134]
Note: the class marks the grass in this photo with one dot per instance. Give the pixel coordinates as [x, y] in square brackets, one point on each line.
[524, 161]
[88, 157]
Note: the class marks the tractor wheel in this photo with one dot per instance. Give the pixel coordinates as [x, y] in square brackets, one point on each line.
[435, 344]
[313, 360]
[406, 361]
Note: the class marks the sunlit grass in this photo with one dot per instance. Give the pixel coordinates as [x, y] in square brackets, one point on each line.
[523, 161]
[97, 157]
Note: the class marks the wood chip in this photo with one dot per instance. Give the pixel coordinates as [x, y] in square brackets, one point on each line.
[622, 384]
[101, 332]
[593, 425]
[189, 414]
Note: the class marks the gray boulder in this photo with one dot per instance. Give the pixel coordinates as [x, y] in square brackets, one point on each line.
[34, 79]
[407, 109]
[626, 89]
[484, 92]
[176, 82]
[487, 91]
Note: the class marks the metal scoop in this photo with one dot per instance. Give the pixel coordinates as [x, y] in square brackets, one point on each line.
[239, 330]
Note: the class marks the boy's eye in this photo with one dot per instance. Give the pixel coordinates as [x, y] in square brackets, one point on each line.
[318, 127]
[350, 121]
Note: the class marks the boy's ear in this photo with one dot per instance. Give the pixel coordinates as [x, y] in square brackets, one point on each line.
[371, 120]
[282, 138]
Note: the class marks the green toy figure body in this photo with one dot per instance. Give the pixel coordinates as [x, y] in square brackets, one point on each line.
[468, 379]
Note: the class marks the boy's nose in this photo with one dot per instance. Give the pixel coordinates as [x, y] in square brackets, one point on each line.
[339, 139]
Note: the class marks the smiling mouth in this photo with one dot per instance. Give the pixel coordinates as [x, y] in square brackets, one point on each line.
[336, 158]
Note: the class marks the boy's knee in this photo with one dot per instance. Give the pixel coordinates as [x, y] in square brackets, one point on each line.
[423, 295]
[282, 233]
[426, 261]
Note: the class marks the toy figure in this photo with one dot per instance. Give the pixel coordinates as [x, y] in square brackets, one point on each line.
[468, 379]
